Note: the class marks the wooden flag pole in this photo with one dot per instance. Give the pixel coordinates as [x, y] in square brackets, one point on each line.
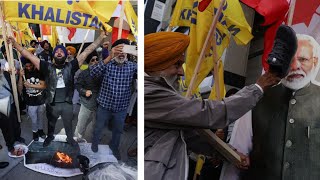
[291, 12]
[9, 52]
[204, 48]
[84, 40]
[121, 19]
[216, 68]
[212, 139]
[19, 55]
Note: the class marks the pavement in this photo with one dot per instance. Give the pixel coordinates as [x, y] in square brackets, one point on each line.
[17, 171]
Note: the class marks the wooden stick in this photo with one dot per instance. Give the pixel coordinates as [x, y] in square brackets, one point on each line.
[121, 19]
[291, 12]
[84, 40]
[204, 47]
[19, 55]
[9, 52]
[221, 146]
[216, 68]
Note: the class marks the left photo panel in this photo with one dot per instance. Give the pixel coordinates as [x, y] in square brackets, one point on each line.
[68, 89]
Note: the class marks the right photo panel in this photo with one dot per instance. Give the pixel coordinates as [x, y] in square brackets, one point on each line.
[231, 90]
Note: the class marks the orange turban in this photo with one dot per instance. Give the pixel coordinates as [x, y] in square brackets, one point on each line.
[163, 49]
[32, 50]
[71, 49]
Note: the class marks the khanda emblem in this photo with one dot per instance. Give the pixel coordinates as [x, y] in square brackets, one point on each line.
[133, 25]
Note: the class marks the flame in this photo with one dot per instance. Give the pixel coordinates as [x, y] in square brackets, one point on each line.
[63, 157]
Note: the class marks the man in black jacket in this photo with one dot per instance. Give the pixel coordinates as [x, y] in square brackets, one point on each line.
[59, 79]
[88, 88]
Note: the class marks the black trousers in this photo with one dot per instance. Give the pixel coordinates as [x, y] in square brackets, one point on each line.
[53, 113]
[10, 127]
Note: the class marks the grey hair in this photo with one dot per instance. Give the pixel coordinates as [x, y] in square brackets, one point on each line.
[313, 43]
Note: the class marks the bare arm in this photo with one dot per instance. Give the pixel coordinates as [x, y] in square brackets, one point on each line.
[41, 85]
[20, 82]
[28, 55]
[82, 57]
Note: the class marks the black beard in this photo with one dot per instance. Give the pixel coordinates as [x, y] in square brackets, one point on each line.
[59, 61]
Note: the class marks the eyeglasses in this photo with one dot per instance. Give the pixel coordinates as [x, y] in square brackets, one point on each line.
[94, 59]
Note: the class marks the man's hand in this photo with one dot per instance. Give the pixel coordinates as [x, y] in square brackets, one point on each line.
[245, 161]
[27, 84]
[88, 93]
[267, 80]
[104, 34]
[10, 39]
[22, 72]
[116, 50]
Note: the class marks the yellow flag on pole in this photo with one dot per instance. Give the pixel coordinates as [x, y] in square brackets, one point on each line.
[231, 22]
[82, 14]
[131, 18]
[213, 94]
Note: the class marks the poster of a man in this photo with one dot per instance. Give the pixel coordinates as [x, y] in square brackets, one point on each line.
[285, 126]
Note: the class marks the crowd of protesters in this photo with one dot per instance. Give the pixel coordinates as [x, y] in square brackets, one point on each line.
[53, 79]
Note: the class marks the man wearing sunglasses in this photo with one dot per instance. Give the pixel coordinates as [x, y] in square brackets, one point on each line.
[88, 88]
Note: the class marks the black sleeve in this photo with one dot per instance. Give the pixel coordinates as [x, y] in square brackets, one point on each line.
[44, 68]
[80, 83]
[75, 66]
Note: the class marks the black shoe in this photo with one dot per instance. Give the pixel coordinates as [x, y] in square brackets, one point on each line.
[72, 142]
[35, 136]
[41, 134]
[3, 164]
[94, 147]
[116, 154]
[48, 140]
[284, 48]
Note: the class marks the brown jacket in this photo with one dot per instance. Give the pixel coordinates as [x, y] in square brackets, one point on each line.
[167, 117]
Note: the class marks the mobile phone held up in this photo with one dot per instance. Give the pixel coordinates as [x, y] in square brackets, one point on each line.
[130, 49]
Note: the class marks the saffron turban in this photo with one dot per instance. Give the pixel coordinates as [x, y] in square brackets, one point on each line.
[71, 49]
[32, 50]
[163, 49]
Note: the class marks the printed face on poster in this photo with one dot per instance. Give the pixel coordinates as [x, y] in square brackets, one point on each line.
[310, 26]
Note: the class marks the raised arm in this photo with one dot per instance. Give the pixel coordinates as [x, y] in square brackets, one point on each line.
[82, 57]
[28, 55]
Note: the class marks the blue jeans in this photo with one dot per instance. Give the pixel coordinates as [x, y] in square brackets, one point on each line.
[103, 117]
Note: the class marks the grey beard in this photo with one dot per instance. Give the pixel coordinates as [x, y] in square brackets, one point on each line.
[120, 61]
[173, 81]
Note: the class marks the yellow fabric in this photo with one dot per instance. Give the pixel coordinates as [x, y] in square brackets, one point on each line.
[25, 32]
[81, 14]
[131, 18]
[32, 50]
[184, 88]
[84, 67]
[163, 49]
[213, 95]
[231, 22]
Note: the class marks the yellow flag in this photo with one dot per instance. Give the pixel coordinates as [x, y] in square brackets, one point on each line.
[131, 18]
[53, 38]
[213, 95]
[68, 13]
[231, 22]
[26, 34]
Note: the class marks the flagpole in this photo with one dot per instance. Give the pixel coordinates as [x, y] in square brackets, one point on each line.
[121, 19]
[216, 68]
[204, 48]
[291, 12]
[84, 40]
[19, 55]
[9, 52]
